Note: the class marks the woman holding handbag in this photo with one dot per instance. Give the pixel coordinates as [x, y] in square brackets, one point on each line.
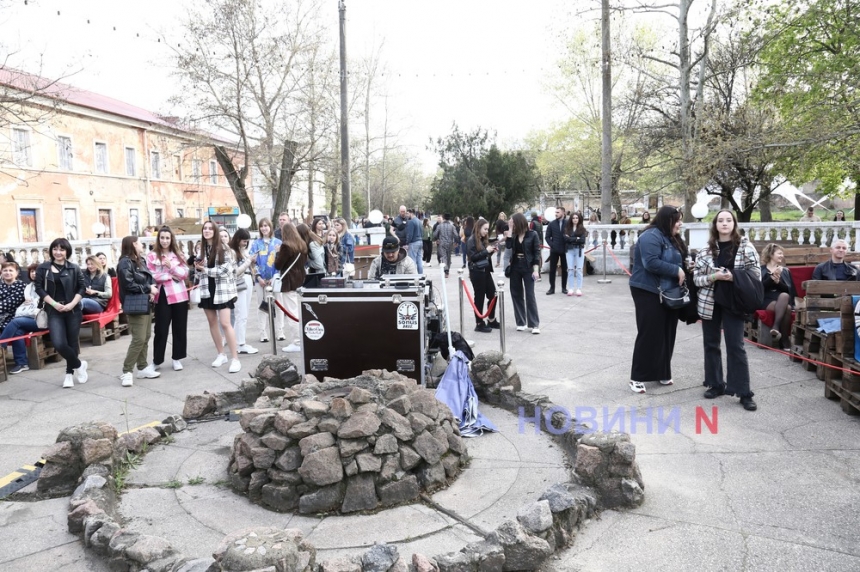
[480, 255]
[727, 252]
[218, 293]
[60, 285]
[169, 271]
[657, 267]
[290, 267]
[136, 292]
[239, 247]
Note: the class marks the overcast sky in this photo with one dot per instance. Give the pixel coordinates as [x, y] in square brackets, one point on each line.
[476, 62]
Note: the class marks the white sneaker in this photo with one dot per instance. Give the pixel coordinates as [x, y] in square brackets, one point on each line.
[235, 366]
[637, 386]
[292, 348]
[246, 349]
[578, 292]
[666, 382]
[127, 379]
[81, 373]
[68, 381]
[156, 366]
[220, 360]
[148, 373]
[521, 328]
[535, 331]
[177, 365]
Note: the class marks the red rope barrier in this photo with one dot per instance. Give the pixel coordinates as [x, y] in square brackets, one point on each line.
[618, 261]
[285, 311]
[800, 357]
[490, 306]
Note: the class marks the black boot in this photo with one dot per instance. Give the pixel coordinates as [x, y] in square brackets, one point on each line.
[748, 403]
[715, 392]
[483, 328]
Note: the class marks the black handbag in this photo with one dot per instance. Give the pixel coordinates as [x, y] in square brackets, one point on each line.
[136, 304]
[481, 264]
[675, 298]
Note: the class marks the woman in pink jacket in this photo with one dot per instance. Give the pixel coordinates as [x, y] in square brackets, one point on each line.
[168, 268]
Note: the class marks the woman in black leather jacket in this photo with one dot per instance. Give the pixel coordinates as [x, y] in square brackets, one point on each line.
[524, 246]
[480, 254]
[60, 285]
[135, 278]
[575, 237]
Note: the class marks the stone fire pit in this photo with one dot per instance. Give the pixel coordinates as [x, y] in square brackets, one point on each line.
[368, 442]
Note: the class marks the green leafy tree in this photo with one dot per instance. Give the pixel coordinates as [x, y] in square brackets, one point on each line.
[811, 71]
[478, 178]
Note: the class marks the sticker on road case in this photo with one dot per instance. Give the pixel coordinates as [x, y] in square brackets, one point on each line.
[314, 330]
[407, 316]
[319, 365]
[406, 365]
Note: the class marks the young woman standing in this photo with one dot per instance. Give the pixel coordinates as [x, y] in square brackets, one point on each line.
[480, 254]
[60, 284]
[575, 237]
[290, 263]
[263, 252]
[316, 256]
[168, 268]
[218, 293]
[427, 239]
[134, 278]
[333, 266]
[524, 246]
[99, 288]
[244, 261]
[727, 251]
[345, 240]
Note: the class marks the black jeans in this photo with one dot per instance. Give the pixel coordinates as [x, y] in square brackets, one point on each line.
[482, 283]
[554, 259]
[738, 378]
[65, 330]
[428, 250]
[523, 285]
[165, 315]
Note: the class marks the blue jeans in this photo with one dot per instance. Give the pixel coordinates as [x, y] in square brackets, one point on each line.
[91, 306]
[65, 329]
[575, 260]
[416, 253]
[19, 327]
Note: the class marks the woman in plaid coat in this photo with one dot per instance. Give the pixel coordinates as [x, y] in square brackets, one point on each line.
[168, 268]
[726, 252]
[218, 293]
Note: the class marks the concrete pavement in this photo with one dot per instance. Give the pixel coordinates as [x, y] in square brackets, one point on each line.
[773, 489]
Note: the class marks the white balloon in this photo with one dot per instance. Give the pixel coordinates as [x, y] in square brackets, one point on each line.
[549, 213]
[243, 221]
[375, 216]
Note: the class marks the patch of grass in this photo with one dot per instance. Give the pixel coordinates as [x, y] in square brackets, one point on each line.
[121, 471]
[172, 484]
[196, 480]
[167, 440]
[222, 483]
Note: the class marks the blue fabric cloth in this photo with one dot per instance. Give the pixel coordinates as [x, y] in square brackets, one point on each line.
[829, 325]
[456, 390]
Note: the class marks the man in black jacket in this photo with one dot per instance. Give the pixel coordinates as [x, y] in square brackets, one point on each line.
[557, 250]
[836, 268]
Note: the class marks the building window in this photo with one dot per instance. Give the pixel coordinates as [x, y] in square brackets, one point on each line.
[133, 222]
[21, 147]
[130, 162]
[180, 213]
[70, 223]
[29, 225]
[101, 158]
[200, 215]
[64, 153]
[177, 168]
[155, 161]
[159, 217]
[105, 219]
[196, 169]
[213, 172]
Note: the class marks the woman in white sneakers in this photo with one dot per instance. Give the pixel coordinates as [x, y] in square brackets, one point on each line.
[134, 278]
[239, 248]
[218, 293]
[168, 268]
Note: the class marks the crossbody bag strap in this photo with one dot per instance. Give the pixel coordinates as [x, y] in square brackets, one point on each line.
[290, 267]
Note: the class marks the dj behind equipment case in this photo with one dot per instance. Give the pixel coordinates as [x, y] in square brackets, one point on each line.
[366, 325]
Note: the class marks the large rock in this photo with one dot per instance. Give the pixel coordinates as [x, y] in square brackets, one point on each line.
[198, 405]
[397, 492]
[316, 442]
[430, 449]
[277, 371]
[360, 424]
[281, 498]
[285, 420]
[399, 424]
[380, 558]
[522, 550]
[322, 467]
[607, 462]
[258, 548]
[325, 499]
[360, 494]
[535, 517]
[148, 549]
[424, 401]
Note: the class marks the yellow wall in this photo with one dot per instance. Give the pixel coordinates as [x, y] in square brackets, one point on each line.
[50, 190]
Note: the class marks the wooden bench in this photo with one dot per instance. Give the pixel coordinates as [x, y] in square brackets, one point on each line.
[40, 350]
[106, 325]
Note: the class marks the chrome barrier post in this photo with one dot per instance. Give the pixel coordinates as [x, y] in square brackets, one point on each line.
[500, 302]
[460, 286]
[603, 280]
[270, 298]
[447, 311]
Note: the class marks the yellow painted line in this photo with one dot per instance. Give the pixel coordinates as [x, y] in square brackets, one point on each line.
[12, 477]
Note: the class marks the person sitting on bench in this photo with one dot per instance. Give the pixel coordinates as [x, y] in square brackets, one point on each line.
[836, 268]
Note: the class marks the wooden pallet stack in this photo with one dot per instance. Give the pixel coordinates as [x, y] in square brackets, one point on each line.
[823, 300]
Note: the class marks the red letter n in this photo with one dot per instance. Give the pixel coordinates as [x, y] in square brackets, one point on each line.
[710, 423]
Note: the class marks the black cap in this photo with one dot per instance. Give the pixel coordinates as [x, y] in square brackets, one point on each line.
[390, 244]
